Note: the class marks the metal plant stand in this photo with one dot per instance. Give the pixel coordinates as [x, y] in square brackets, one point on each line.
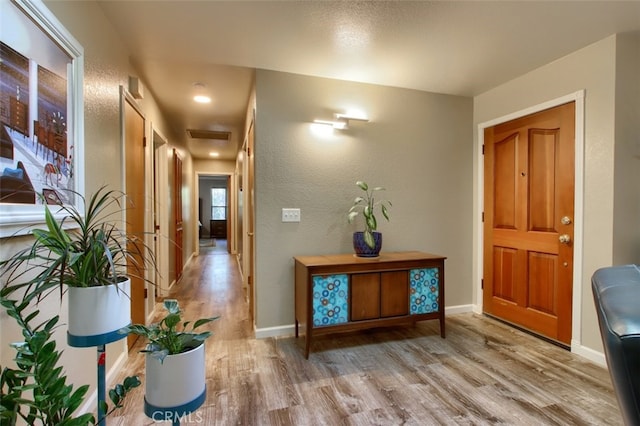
[100, 342]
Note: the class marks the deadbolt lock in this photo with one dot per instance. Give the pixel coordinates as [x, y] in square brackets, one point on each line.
[566, 220]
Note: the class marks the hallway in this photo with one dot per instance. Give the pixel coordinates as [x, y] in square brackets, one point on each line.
[483, 373]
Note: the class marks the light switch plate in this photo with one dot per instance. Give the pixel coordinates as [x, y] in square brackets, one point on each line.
[291, 215]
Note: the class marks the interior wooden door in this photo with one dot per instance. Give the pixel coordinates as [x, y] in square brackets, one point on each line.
[135, 174]
[250, 218]
[528, 221]
[177, 214]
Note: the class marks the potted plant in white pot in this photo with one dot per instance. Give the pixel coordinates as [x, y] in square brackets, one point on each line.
[86, 254]
[175, 374]
[368, 243]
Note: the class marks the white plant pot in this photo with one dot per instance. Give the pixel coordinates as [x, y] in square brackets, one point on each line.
[175, 385]
[97, 313]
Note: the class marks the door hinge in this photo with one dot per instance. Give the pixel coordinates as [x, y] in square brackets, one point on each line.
[482, 283]
[146, 293]
[144, 141]
[482, 149]
[482, 217]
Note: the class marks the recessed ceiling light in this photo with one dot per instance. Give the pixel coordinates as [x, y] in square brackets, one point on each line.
[202, 99]
[200, 94]
[214, 154]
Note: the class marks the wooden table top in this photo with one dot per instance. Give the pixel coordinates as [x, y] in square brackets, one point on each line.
[351, 258]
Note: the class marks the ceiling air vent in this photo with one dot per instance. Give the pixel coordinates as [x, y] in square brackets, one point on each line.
[209, 134]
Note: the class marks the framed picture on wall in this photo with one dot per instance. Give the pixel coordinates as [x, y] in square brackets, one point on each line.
[41, 104]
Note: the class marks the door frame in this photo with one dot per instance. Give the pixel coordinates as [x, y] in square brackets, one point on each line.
[578, 98]
[231, 208]
[160, 199]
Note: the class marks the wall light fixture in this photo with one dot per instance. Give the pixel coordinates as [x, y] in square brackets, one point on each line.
[340, 121]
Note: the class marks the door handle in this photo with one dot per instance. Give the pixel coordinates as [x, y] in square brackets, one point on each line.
[564, 239]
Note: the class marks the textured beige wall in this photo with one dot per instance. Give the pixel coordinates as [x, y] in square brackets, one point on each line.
[106, 68]
[418, 145]
[593, 69]
[626, 211]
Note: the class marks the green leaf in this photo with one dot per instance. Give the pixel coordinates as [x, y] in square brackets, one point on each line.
[172, 320]
[362, 185]
[369, 240]
[372, 224]
[171, 305]
[385, 213]
[202, 336]
[131, 382]
[203, 321]
[103, 406]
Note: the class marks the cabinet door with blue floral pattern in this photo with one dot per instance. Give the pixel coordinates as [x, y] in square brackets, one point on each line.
[424, 290]
[330, 299]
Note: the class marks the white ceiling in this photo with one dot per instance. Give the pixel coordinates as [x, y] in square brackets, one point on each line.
[453, 47]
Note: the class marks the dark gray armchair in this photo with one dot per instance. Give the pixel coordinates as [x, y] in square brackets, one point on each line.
[616, 291]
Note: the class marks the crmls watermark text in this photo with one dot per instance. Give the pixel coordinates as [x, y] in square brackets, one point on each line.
[172, 416]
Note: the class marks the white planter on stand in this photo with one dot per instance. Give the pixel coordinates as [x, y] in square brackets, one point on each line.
[97, 313]
[175, 387]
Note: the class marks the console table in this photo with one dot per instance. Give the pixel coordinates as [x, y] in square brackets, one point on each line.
[343, 292]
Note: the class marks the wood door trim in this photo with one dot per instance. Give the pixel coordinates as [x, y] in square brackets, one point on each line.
[578, 230]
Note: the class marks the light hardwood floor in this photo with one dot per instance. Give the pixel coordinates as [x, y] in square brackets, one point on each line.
[483, 373]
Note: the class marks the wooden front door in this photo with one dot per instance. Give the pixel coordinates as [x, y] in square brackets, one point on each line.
[528, 221]
[135, 208]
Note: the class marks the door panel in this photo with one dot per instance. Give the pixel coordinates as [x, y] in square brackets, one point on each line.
[394, 293]
[543, 272]
[504, 267]
[365, 296]
[505, 183]
[542, 184]
[529, 189]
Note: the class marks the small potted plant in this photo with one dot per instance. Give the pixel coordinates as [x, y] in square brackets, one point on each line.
[86, 254]
[368, 243]
[175, 364]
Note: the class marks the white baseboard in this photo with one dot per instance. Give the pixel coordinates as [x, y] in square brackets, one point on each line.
[290, 329]
[91, 400]
[188, 260]
[460, 309]
[280, 331]
[588, 353]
